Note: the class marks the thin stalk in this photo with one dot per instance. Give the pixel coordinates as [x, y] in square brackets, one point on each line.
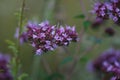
[20, 23]
[17, 55]
[21, 16]
[77, 58]
[81, 34]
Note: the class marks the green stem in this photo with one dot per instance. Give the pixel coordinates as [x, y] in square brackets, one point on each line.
[17, 55]
[21, 23]
[81, 34]
[21, 16]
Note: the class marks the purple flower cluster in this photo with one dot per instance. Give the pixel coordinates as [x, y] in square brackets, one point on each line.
[45, 37]
[4, 69]
[108, 64]
[108, 10]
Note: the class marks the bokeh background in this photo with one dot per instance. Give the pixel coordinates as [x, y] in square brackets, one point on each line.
[64, 13]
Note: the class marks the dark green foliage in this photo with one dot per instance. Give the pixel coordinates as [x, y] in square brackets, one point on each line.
[80, 16]
[86, 24]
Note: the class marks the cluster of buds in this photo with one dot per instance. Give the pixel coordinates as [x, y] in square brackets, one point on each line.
[45, 37]
[108, 64]
[110, 31]
[107, 31]
[4, 69]
[108, 10]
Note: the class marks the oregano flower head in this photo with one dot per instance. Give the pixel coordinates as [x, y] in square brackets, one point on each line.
[45, 37]
[108, 10]
[108, 63]
[4, 68]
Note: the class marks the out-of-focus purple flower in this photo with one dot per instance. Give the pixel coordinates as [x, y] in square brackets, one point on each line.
[4, 69]
[114, 10]
[96, 24]
[115, 78]
[45, 37]
[115, 1]
[22, 38]
[108, 64]
[16, 35]
[101, 11]
[109, 31]
[108, 10]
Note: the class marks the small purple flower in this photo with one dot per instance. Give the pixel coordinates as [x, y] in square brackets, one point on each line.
[4, 69]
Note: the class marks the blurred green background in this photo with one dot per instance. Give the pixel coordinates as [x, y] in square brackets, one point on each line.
[65, 11]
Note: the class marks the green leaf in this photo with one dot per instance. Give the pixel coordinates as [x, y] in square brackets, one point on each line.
[66, 60]
[80, 16]
[17, 14]
[13, 48]
[86, 24]
[10, 42]
[84, 59]
[23, 75]
[14, 66]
